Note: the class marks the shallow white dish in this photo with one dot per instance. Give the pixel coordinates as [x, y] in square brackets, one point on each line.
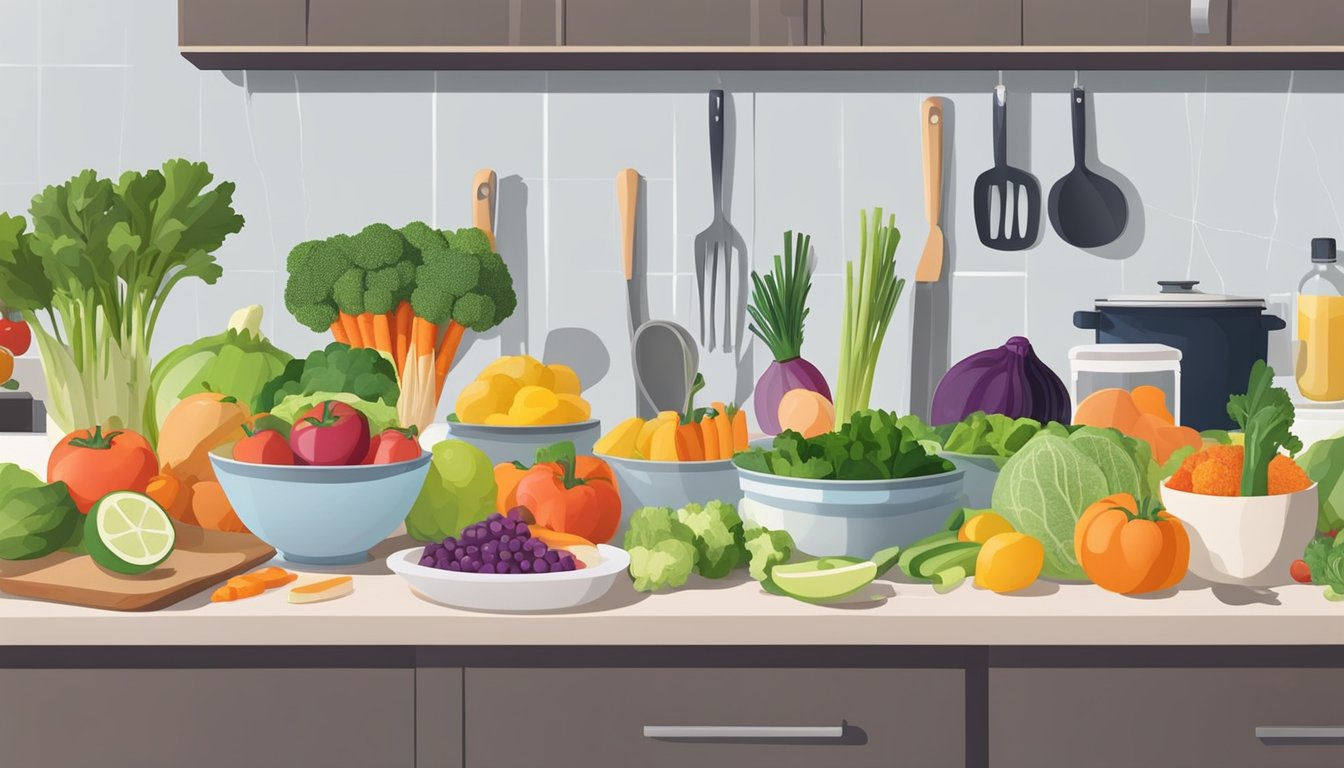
[511, 592]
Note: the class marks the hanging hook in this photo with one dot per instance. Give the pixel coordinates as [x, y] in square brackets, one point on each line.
[1000, 78]
[1075, 78]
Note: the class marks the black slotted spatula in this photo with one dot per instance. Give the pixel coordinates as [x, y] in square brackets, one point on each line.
[1007, 199]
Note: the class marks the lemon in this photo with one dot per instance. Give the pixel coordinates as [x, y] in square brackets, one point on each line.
[128, 533]
[1009, 562]
[984, 527]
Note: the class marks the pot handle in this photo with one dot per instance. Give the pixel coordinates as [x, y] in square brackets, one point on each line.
[1087, 320]
[1272, 323]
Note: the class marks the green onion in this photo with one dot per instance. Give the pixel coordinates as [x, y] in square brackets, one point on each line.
[870, 300]
[779, 301]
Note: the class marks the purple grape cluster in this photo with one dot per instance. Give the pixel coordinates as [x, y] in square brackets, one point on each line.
[498, 544]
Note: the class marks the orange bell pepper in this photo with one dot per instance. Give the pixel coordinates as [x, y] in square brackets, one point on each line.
[569, 494]
[507, 477]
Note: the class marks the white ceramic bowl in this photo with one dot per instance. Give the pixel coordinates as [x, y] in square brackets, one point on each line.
[1246, 540]
[504, 444]
[851, 517]
[511, 592]
[671, 484]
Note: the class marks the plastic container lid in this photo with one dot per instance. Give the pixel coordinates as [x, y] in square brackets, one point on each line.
[1181, 293]
[1132, 353]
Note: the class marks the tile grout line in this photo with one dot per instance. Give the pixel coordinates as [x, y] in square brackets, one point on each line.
[546, 200]
[434, 153]
[303, 171]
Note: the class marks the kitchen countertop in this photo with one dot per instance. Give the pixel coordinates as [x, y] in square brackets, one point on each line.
[384, 612]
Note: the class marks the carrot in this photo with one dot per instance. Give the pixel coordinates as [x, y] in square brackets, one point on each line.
[694, 446]
[740, 431]
[424, 334]
[338, 332]
[382, 332]
[351, 326]
[402, 333]
[444, 357]
[723, 425]
[274, 577]
[709, 435]
[366, 335]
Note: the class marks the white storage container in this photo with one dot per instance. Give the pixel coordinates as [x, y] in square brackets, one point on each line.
[1125, 366]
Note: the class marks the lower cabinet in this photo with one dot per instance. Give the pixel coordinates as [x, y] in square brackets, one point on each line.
[1114, 718]
[207, 718]
[592, 717]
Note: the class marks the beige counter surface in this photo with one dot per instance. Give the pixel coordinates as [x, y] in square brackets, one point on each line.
[384, 611]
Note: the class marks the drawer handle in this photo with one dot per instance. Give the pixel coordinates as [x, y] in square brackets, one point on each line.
[1300, 733]
[728, 732]
[1199, 16]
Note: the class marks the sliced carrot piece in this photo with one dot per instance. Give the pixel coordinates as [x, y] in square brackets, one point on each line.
[328, 589]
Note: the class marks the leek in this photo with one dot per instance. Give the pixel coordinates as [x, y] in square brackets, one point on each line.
[870, 300]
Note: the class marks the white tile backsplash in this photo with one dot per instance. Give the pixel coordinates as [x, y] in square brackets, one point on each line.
[1230, 174]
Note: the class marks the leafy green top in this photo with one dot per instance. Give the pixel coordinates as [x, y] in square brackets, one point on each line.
[871, 446]
[1265, 413]
[779, 300]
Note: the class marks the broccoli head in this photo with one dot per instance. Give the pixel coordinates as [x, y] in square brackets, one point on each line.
[314, 268]
[377, 246]
[460, 279]
[349, 291]
[767, 549]
[719, 541]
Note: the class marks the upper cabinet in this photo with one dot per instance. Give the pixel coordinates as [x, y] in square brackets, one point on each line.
[685, 22]
[762, 34]
[242, 22]
[1287, 22]
[943, 22]
[1125, 22]
[433, 22]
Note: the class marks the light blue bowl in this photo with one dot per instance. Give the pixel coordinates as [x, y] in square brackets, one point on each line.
[671, 484]
[851, 517]
[322, 515]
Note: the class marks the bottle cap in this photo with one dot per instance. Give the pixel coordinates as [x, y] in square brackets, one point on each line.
[1323, 250]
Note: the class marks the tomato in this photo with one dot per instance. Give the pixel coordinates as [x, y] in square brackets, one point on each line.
[393, 445]
[93, 464]
[15, 335]
[330, 434]
[263, 446]
[1300, 572]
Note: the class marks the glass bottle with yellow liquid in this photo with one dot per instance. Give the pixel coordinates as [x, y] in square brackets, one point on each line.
[1320, 326]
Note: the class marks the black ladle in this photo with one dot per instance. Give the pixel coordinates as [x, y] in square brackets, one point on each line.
[1086, 210]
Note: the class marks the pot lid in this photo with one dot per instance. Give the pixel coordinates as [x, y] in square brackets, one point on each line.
[1181, 293]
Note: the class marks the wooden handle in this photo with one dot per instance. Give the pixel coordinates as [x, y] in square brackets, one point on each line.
[932, 113]
[483, 194]
[627, 198]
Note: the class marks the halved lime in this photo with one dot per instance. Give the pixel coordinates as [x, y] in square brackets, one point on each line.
[828, 578]
[128, 533]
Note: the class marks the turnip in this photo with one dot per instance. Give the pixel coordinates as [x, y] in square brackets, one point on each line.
[778, 308]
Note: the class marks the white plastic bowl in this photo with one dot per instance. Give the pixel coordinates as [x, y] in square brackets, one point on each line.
[671, 484]
[1246, 540]
[511, 592]
[505, 443]
[851, 517]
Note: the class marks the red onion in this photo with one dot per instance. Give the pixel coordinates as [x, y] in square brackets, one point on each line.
[1010, 380]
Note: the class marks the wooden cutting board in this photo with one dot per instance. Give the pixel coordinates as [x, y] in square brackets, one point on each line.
[200, 560]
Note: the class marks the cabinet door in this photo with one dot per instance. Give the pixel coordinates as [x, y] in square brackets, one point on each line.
[596, 717]
[241, 22]
[433, 22]
[685, 22]
[1120, 22]
[1287, 22]
[208, 718]
[942, 22]
[1120, 718]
